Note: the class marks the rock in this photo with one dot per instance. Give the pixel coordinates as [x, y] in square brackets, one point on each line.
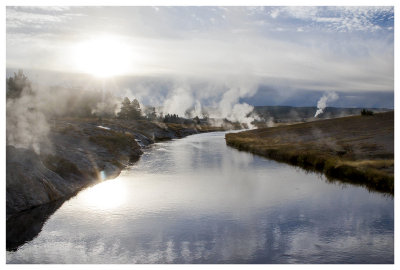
[81, 154]
[26, 225]
[29, 183]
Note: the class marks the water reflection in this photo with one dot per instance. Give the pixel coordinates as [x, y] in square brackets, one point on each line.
[197, 201]
[25, 226]
[106, 195]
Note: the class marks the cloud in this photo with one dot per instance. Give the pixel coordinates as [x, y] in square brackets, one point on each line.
[37, 19]
[311, 48]
[335, 19]
[17, 19]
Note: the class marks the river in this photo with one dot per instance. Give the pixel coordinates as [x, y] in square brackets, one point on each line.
[195, 200]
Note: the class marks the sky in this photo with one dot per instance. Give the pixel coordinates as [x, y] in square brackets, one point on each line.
[256, 55]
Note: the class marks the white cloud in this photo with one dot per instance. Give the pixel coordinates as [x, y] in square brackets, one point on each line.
[275, 13]
[16, 18]
[220, 44]
[343, 19]
[301, 12]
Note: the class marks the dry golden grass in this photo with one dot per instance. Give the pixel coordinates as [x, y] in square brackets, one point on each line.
[354, 149]
[115, 142]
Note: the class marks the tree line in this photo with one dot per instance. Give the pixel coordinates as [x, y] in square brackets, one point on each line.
[87, 104]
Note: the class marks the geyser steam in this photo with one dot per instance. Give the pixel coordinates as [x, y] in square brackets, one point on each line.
[29, 113]
[328, 97]
[31, 106]
[218, 101]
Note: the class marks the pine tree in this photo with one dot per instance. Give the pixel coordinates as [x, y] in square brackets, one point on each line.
[125, 109]
[18, 84]
[135, 112]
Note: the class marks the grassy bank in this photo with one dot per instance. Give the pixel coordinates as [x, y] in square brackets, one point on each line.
[356, 149]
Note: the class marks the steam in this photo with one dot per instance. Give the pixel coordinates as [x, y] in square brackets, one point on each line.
[328, 97]
[27, 127]
[179, 101]
[198, 110]
[29, 115]
[107, 108]
[188, 101]
[230, 108]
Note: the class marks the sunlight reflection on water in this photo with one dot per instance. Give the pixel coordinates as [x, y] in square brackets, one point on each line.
[195, 200]
[106, 195]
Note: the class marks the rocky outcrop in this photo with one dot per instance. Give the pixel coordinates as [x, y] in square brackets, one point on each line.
[26, 225]
[80, 153]
[29, 183]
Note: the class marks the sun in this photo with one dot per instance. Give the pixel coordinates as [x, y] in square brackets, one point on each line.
[104, 56]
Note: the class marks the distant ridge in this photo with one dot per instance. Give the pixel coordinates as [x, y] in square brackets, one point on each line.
[301, 114]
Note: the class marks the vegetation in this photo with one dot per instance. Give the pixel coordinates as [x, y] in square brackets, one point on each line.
[60, 103]
[130, 110]
[174, 118]
[150, 113]
[115, 142]
[288, 114]
[365, 112]
[18, 84]
[353, 149]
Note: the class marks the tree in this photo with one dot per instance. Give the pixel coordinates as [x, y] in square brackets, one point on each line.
[172, 118]
[125, 109]
[135, 112]
[130, 110]
[196, 120]
[150, 113]
[18, 84]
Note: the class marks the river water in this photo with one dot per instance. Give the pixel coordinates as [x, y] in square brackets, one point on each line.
[195, 200]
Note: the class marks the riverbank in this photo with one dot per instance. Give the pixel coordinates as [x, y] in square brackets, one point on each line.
[80, 153]
[355, 149]
[205, 202]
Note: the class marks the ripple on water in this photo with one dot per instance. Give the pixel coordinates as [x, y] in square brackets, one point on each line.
[195, 200]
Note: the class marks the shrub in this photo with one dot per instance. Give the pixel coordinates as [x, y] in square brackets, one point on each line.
[365, 112]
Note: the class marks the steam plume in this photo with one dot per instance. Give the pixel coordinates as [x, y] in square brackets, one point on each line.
[186, 100]
[328, 97]
[27, 127]
[28, 115]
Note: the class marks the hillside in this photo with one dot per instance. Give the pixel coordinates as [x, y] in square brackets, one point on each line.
[357, 149]
[284, 114]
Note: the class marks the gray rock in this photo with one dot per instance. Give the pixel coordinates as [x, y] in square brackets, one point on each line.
[81, 154]
[29, 183]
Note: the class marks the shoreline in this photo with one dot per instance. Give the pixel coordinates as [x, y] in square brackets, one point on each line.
[349, 149]
[25, 225]
[83, 152]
